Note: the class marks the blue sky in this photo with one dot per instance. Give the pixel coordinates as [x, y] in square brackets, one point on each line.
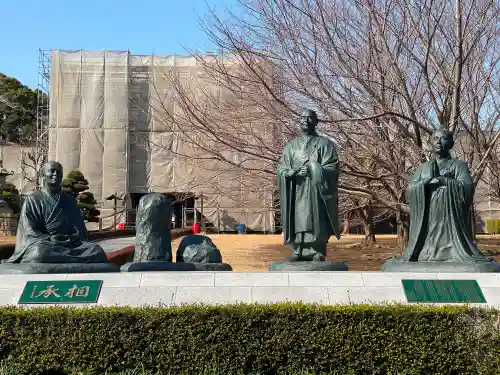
[143, 27]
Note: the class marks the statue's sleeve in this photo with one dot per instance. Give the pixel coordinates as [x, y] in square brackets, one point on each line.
[461, 185]
[417, 202]
[417, 177]
[285, 164]
[325, 177]
[416, 190]
[31, 225]
[32, 217]
[78, 221]
[330, 158]
[327, 174]
[285, 182]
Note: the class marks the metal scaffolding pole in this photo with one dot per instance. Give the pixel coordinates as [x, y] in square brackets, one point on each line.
[43, 106]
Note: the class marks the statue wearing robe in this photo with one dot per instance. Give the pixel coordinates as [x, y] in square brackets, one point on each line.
[440, 223]
[51, 229]
[309, 200]
[440, 196]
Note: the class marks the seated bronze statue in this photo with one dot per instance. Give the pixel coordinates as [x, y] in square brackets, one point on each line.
[440, 196]
[51, 228]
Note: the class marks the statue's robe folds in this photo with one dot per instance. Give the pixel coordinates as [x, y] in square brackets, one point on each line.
[51, 229]
[309, 205]
[440, 215]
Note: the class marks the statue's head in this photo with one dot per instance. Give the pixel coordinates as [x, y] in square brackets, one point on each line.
[308, 120]
[52, 173]
[442, 142]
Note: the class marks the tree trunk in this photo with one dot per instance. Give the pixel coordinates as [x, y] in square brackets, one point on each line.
[403, 229]
[473, 223]
[345, 229]
[366, 216]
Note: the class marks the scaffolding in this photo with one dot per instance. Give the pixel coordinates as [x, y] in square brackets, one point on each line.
[108, 119]
[43, 104]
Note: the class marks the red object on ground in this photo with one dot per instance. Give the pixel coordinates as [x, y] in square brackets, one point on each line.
[120, 226]
[196, 228]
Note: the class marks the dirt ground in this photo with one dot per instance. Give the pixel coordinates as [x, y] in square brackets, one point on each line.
[7, 239]
[252, 253]
[255, 252]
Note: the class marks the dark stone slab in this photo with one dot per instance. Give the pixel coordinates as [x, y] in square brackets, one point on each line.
[398, 265]
[41, 268]
[197, 248]
[169, 266]
[152, 227]
[326, 265]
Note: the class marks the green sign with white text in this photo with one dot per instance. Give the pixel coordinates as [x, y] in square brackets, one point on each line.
[443, 291]
[67, 291]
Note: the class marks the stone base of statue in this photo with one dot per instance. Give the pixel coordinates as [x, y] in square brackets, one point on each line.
[39, 268]
[300, 266]
[170, 266]
[398, 265]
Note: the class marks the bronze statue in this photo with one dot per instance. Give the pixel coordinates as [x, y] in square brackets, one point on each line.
[51, 228]
[440, 196]
[307, 178]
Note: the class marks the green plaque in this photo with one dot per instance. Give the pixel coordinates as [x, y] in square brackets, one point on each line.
[443, 291]
[67, 291]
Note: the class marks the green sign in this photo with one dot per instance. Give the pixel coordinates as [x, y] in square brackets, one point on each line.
[443, 291]
[78, 291]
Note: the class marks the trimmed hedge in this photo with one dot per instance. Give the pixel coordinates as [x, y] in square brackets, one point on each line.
[265, 339]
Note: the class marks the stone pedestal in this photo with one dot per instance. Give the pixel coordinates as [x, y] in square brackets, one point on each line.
[42, 268]
[398, 265]
[169, 266]
[327, 265]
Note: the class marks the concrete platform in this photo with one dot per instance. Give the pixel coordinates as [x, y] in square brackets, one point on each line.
[54, 268]
[312, 266]
[176, 288]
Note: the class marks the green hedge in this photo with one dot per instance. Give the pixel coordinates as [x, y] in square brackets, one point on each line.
[243, 339]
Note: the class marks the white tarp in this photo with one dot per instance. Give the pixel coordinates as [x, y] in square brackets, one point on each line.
[107, 118]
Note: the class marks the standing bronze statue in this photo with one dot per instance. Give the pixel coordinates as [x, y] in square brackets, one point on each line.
[440, 196]
[307, 176]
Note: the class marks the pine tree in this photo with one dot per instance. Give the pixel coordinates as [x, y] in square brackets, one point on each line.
[11, 196]
[77, 185]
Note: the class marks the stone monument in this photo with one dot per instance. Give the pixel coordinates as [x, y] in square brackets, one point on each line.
[153, 248]
[440, 196]
[198, 249]
[51, 234]
[307, 176]
[152, 228]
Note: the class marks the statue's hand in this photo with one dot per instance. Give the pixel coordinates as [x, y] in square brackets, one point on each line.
[434, 181]
[303, 171]
[428, 180]
[60, 239]
[442, 179]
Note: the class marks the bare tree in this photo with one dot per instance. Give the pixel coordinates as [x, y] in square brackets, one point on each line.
[31, 165]
[383, 75]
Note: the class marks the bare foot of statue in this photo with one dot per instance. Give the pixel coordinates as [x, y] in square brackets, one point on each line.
[318, 257]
